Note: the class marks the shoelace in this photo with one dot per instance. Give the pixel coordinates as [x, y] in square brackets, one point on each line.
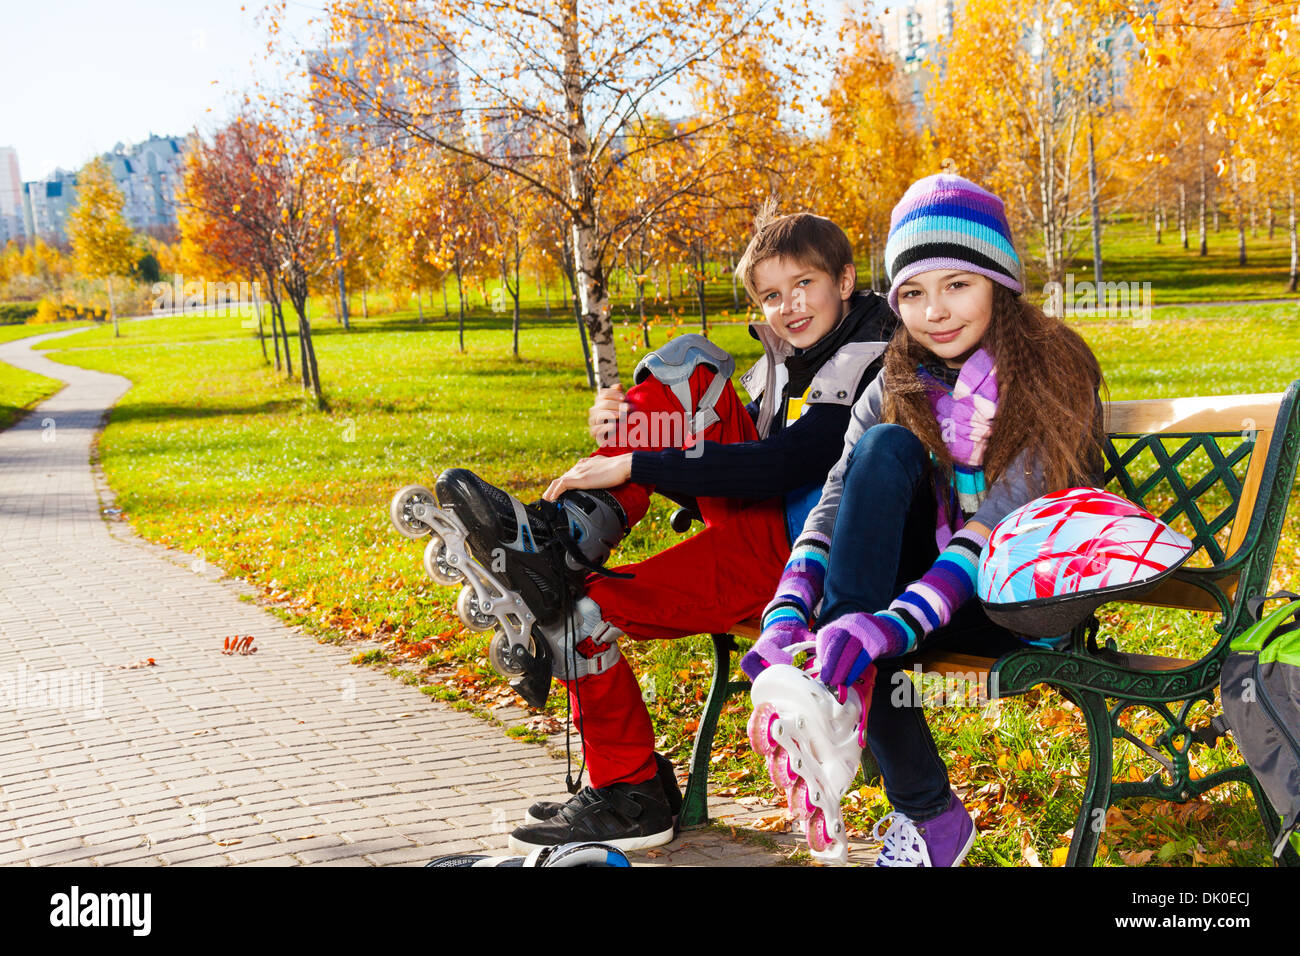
[592, 796]
[903, 845]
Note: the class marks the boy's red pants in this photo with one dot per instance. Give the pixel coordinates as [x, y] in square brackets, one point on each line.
[722, 575]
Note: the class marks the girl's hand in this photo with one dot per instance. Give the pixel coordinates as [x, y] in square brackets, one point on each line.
[599, 471]
[848, 645]
[603, 416]
[770, 648]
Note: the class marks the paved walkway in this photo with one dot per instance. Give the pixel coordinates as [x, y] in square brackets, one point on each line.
[290, 755]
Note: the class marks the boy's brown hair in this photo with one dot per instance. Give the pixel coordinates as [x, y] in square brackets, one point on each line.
[812, 241]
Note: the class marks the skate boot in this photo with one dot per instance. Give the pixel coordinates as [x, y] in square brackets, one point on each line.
[518, 564]
[544, 551]
[812, 739]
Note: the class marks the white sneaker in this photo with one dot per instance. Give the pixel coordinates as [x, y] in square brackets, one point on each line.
[943, 841]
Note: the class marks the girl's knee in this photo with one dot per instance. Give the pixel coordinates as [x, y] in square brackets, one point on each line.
[882, 444]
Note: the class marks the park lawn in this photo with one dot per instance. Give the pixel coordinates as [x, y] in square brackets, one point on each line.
[1130, 253]
[9, 333]
[213, 453]
[20, 389]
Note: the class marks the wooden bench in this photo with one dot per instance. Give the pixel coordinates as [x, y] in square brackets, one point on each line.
[1221, 471]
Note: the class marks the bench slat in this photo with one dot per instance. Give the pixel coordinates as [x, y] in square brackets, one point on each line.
[1216, 413]
[1249, 491]
[952, 664]
[1186, 597]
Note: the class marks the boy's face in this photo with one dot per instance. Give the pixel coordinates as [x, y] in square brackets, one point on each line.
[801, 303]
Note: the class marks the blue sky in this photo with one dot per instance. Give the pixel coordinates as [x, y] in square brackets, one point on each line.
[78, 76]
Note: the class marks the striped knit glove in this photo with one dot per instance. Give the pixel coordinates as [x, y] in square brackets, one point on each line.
[848, 644]
[785, 619]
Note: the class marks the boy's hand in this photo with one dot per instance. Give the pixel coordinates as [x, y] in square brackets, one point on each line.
[596, 472]
[603, 416]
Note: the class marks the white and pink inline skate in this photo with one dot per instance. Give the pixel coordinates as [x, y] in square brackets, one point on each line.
[812, 740]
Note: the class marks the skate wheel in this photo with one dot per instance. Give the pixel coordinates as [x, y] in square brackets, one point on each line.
[760, 729]
[436, 566]
[500, 657]
[400, 512]
[816, 832]
[470, 615]
[778, 769]
[799, 801]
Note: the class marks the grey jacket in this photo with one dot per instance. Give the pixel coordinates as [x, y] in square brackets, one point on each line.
[1017, 485]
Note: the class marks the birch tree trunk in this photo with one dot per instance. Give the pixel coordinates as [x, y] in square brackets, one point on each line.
[1182, 213]
[593, 295]
[1294, 280]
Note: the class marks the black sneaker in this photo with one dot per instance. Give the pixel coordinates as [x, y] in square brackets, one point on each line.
[544, 810]
[625, 815]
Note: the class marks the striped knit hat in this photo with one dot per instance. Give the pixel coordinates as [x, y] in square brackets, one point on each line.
[947, 222]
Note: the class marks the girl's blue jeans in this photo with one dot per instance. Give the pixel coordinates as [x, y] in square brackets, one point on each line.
[882, 541]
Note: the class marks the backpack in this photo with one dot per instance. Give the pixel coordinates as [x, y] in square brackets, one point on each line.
[1260, 688]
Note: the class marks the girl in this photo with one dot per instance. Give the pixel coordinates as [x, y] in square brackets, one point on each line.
[984, 404]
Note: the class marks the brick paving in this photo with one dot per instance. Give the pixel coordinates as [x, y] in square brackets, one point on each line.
[288, 756]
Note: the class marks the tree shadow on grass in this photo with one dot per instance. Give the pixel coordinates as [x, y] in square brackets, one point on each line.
[165, 411]
[410, 323]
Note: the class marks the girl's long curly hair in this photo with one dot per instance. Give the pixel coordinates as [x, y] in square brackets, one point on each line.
[1048, 383]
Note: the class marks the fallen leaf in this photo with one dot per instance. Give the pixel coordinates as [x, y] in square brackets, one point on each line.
[543, 724]
[1027, 849]
[776, 823]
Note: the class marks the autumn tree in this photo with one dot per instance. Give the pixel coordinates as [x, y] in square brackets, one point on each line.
[572, 78]
[228, 215]
[1282, 168]
[1030, 146]
[306, 210]
[1243, 59]
[873, 151]
[97, 228]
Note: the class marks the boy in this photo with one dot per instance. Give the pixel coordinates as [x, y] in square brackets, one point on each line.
[754, 473]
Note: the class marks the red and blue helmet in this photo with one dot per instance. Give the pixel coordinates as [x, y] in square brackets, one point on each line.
[1052, 562]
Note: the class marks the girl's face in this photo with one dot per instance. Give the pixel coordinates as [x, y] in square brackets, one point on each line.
[947, 311]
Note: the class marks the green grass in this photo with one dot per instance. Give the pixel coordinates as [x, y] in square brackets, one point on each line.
[213, 452]
[1130, 254]
[9, 333]
[20, 389]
